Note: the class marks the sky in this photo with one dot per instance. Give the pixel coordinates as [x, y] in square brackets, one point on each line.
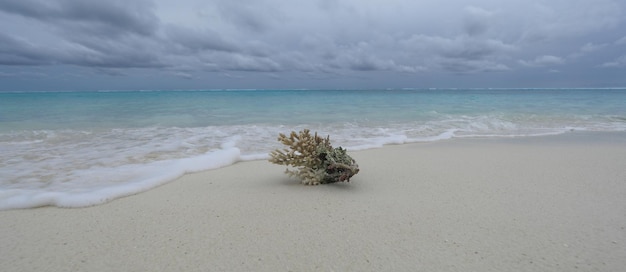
[74, 45]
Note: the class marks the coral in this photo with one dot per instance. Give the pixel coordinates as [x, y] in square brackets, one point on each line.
[315, 159]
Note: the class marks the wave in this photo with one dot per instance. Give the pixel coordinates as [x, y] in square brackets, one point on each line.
[77, 168]
[97, 185]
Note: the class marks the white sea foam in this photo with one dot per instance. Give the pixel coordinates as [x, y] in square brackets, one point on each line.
[99, 184]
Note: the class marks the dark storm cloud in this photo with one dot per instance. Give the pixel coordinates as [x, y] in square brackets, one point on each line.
[191, 39]
[84, 33]
[118, 34]
[255, 16]
[247, 63]
[17, 52]
[79, 50]
[114, 15]
[199, 40]
[461, 54]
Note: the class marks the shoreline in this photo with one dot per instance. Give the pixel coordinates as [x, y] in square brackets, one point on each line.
[545, 203]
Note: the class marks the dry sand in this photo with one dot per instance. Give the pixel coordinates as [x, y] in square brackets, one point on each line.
[529, 204]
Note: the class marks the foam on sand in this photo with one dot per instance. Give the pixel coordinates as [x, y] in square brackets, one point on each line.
[136, 178]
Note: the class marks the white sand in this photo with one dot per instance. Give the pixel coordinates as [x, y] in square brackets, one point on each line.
[528, 204]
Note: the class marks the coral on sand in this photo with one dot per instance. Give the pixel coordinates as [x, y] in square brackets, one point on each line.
[315, 159]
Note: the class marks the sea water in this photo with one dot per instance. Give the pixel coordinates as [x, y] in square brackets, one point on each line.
[74, 149]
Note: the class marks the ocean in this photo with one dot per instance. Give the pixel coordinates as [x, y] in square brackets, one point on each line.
[76, 149]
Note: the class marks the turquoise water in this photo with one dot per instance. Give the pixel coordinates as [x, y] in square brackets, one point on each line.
[85, 148]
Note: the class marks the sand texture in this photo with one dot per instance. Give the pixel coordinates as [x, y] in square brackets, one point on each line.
[530, 204]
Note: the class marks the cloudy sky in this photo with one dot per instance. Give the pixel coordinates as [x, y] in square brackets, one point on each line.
[209, 44]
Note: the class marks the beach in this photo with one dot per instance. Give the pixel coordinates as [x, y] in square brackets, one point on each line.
[550, 203]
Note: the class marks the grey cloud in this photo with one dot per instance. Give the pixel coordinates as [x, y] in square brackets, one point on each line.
[369, 63]
[473, 49]
[588, 49]
[460, 54]
[118, 15]
[84, 38]
[22, 74]
[591, 47]
[183, 75]
[312, 39]
[413, 54]
[110, 71]
[561, 19]
[83, 33]
[14, 52]
[240, 62]
[94, 51]
[299, 61]
[617, 63]
[119, 59]
[472, 66]
[476, 20]
[87, 52]
[323, 55]
[541, 61]
[457, 47]
[221, 61]
[256, 16]
[20, 52]
[199, 40]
